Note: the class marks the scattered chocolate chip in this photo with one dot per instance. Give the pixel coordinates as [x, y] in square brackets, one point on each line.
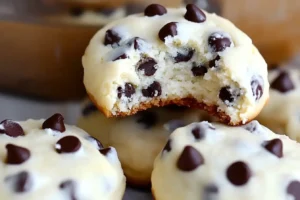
[194, 14]
[129, 90]
[283, 83]
[275, 147]
[189, 159]
[11, 128]
[155, 9]
[172, 125]
[105, 11]
[184, 57]
[95, 141]
[170, 29]
[198, 132]
[238, 173]
[293, 189]
[89, 109]
[219, 42]
[69, 187]
[225, 94]
[199, 70]
[120, 57]
[251, 127]
[167, 146]
[111, 37]
[68, 144]
[76, 12]
[148, 66]
[55, 122]
[257, 88]
[105, 151]
[133, 8]
[16, 155]
[153, 90]
[147, 118]
[20, 182]
[210, 192]
[135, 42]
[213, 63]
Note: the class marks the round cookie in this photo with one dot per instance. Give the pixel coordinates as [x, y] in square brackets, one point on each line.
[282, 112]
[204, 161]
[182, 56]
[138, 138]
[46, 159]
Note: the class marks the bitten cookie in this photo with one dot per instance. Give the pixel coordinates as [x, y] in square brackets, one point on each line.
[180, 56]
[282, 112]
[138, 138]
[212, 161]
[46, 159]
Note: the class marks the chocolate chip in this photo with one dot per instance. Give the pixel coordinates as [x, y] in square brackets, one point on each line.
[194, 14]
[16, 155]
[282, 83]
[76, 12]
[170, 29]
[251, 127]
[226, 95]
[210, 192]
[219, 42]
[11, 128]
[199, 70]
[89, 109]
[238, 173]
[20, 182]
[153, 90]
[55, 122]
[129, 90]
[213, 63]
[111, 37]
[69, 187]
[293, 189]
[147, 118]
[274, 146]
[184, 57]
[257, 88]
[68, 144]
[148, 66]
[198, 132]
[155, 9]
[167, 146]
[133, 8]
[120, 57]
[105, 151]
[189, 159]
[135, 42]
[172, 125]
[95, 141]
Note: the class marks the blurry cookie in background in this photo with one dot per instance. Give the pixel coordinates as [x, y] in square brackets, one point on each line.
[138, 138]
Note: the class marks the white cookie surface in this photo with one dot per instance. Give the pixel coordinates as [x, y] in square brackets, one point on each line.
[150, 59]
[49, 160]
[213, 161]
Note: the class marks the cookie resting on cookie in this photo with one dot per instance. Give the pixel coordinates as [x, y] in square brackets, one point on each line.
[49, 160]
[180, 56]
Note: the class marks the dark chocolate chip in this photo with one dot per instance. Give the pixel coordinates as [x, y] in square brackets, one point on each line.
[133, 8]
[219, 42]
[167, 146]
[155, 9]
[170, 29]
[274, 146]
[95, 141]
[184, 57]
[199, 70]
[55, 122]
[16, 155]
[76, 12]
[251, 127]
[153, 90]
[210, 192]
[111, 37]
[147, 118]
[282, 83]
[225, 95]
[257, 88]
[293, 189]
[68, 144]
[105, 151]
[148, 66]
[120, 57]
[11, 128]
[69, 186]
[198, 132]
[20, 182]
[194, 14]
[189, 159]
[89, 109]
[128, 90]
[213, 63]
[172, 125]
[238, 173]
[135, 42]
[105, 11]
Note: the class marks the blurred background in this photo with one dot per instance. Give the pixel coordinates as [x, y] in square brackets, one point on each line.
[42, 42]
